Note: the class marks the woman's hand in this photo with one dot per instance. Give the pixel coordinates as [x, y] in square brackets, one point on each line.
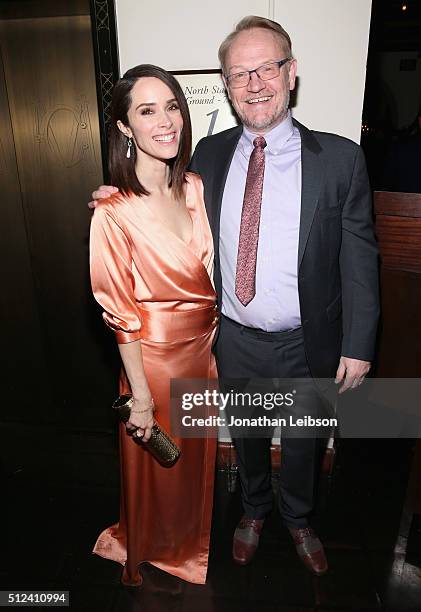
[141, 419]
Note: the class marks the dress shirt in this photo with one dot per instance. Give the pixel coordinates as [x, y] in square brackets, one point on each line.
[275, 307]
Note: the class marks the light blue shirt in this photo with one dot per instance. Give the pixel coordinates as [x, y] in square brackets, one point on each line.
[275, 307]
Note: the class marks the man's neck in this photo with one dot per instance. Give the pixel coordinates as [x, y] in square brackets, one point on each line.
[265, 131]
[278, 133]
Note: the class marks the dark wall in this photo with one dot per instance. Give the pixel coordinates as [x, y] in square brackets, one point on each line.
[391, 131]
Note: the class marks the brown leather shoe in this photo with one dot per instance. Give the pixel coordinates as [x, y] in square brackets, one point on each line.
[310, 549]
[246, 539]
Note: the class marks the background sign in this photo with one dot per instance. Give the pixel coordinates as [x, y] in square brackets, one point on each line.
[209, 106]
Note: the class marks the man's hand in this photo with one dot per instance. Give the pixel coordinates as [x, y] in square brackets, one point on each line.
[351, 372]
[103, 191]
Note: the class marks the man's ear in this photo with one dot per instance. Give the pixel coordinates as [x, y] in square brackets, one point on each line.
[124, 129]
[292, 73]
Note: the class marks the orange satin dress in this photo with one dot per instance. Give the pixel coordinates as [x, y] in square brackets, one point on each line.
[156, 288]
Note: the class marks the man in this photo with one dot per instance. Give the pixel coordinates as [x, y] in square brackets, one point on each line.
[295, 265]
[314, 297]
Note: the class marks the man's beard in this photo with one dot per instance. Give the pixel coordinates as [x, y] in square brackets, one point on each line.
[266, 123]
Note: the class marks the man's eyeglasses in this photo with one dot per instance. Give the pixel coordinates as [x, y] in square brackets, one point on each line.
[265, 73]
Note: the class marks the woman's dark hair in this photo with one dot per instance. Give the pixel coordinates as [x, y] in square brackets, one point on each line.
[123, 169]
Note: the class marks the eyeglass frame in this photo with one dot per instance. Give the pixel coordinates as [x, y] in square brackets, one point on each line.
[280, 63]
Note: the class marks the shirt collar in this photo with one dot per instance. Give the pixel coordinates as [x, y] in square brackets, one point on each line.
[275, 139]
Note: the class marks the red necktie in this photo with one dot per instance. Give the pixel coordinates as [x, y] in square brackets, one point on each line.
[245, 277]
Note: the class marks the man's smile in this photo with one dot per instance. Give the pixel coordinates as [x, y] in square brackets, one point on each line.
[258, 100]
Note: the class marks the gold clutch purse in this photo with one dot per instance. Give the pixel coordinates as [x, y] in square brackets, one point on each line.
[160, 445]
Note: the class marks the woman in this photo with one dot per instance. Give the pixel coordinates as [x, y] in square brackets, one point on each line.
[151, 264]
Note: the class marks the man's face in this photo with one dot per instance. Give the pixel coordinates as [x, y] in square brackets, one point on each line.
[261, 105]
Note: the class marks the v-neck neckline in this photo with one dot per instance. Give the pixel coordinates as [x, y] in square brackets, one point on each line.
[188, 208]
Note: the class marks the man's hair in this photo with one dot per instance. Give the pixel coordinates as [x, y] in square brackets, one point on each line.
[122, 169]
[247, 23]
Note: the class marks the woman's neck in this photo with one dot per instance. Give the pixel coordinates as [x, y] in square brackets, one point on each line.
[152, 173]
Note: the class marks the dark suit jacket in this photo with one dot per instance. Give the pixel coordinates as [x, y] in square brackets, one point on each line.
[337, 254]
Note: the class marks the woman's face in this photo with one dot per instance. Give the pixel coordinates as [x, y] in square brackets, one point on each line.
[155, 121]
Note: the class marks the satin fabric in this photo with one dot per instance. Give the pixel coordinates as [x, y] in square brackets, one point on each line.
[155, 287]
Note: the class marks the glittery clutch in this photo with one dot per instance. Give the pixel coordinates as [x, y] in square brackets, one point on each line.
[160, 445]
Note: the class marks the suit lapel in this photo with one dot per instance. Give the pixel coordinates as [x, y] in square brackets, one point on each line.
[311, 180]
[222, 164]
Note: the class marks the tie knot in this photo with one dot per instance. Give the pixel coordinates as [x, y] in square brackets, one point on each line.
[259, 141]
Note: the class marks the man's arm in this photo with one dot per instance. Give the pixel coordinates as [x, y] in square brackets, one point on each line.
[359, 277]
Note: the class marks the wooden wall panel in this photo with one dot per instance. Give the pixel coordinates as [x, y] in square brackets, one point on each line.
[49, 71]
[398, 228]
[22, 356]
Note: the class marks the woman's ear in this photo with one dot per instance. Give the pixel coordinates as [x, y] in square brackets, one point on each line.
[124, 129]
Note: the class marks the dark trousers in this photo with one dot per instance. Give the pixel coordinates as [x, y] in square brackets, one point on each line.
[244, 353]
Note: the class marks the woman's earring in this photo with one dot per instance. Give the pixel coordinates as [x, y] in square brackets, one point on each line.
[129, 147]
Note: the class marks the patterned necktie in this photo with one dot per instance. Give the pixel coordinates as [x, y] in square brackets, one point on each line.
[245, 277]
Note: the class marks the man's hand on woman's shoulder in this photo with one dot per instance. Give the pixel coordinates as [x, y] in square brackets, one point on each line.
[103, 191]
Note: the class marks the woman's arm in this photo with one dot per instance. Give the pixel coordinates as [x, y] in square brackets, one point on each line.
[141, 415]
[113, 287]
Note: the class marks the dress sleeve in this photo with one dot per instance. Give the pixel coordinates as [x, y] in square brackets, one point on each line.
[111, 274]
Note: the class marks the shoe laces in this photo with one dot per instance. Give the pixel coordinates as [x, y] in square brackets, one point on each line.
[255, 524]
[304, 532]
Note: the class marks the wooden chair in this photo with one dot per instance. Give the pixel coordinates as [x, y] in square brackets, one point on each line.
[398, 229]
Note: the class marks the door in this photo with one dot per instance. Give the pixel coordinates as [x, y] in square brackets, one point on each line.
[58, 358]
